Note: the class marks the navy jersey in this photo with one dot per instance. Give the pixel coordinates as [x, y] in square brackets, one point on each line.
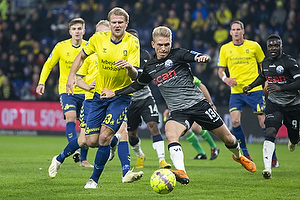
[281, 71]
[174, 78]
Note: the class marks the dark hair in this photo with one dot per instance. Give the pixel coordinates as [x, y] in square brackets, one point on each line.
[237, 22]
[274, 36]
[133, 31]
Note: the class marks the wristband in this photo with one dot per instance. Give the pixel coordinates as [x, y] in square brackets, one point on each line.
[223, 78]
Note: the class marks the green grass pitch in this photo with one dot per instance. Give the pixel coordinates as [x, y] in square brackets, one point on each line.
[24, 162]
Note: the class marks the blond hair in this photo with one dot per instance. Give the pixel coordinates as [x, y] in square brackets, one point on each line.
[77, 21]
[119, 12]
[103, 22]
[161, 31]
[237, 22]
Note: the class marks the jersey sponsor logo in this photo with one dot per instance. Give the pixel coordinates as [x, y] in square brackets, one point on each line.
[276, 79]
[164, 77]
[168, 63]
[279, 69]
[109, 65]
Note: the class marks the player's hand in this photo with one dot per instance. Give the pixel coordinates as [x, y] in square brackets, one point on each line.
[231, 82]
[92, 85]
[123, 63]
[246, 89]
[107, 93]
[166, 114]
[69, 85]
[273, 88]
[40, 89]
[203, 58]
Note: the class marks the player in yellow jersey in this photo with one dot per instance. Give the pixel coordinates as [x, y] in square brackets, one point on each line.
[118, 54]
[64, 53]
[85, 79]
[241, 58]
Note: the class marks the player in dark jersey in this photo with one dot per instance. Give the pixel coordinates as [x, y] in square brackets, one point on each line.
[143, 105]
[283, 103]
[170, 70]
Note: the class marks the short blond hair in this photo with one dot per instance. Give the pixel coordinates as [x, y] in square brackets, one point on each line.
[77, 21]
[161, 31]
[119, 12]
[103, 22]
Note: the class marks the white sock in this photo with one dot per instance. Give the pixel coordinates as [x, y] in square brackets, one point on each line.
[137, 149]
[268, 149]
[176, 155]
[236, 151]
[159, 146]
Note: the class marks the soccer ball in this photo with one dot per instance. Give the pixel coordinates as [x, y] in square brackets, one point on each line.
[163, 181]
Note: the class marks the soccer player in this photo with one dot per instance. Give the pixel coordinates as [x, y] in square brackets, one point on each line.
[64, 53]
[190, 135]
[240, 57]
[118, 54]
[171, 72]
[143, 105]
[283, 102]
[85, 79]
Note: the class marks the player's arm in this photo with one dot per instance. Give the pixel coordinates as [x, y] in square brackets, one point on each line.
[46, 70]
[258, 81]
[131, 71]
[83, 85]
[74, 68]
[206, 94]
[229, 81]
[143, 80]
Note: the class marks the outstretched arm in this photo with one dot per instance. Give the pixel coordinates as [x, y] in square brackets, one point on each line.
[258, 81]
[133, 87]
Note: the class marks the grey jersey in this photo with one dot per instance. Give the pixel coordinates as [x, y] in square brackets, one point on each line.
[145, 92]
[282, 71]
[174, 79]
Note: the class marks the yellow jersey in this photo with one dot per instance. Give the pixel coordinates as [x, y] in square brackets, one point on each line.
[113, 77]
[88, 71]
[63, 53]
[241, 61]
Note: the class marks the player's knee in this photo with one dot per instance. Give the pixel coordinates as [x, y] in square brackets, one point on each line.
[271, 132]
[235, 122]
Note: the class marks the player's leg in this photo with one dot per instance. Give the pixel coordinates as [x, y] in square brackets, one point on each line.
[231, 143]
[173, 131]
[193, 140]
[207, 137]
[134, 121]
[158, 143]
[291, 121]
[135, 144]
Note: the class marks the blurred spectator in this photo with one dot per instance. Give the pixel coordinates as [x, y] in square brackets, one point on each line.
[4, 64]
[99, 14]
[7, 91]
[278, 17]
[172, 20]
[263, 14]
[197, 24]
[224, 15]
[13, 47]
[4, 9]
[249, 32]
[242, 11]
[2, 77]
[220, 35]
[263, 32]
[138, 17]
[290, 47]
[26, 45]
[60, 28]
[211, 21]
[200, 8]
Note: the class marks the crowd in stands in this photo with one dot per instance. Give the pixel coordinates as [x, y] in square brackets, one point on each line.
[26, 39]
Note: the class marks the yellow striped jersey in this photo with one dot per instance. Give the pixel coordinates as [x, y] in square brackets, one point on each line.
[63, 53]
[241, 61]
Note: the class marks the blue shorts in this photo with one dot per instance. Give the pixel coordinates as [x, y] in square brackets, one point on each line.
[107, 112]
[254, 99]
[71, 102]
[84, 112]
